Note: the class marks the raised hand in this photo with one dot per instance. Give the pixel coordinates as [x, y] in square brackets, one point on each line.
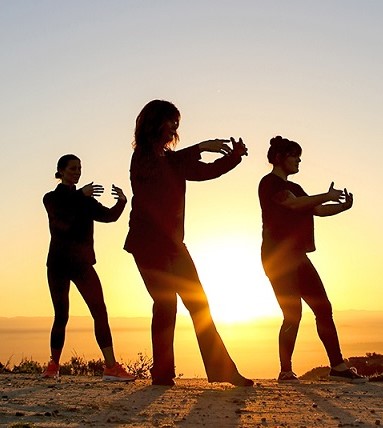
[349, 200]
[118, 193]
[92, 189]
[239, 147]
[334, 194]
[218, 145]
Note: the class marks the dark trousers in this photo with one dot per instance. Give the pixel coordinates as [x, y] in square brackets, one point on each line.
[294, 278]
[86, 280]
[165, 276]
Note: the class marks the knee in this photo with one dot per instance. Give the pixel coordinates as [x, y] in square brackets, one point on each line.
[98, 311]
[61, 319]
[166, 310]
[292, 321]
[324, 311]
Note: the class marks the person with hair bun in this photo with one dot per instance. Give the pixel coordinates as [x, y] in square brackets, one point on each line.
[287, 236]
[71, 257]
[158, 177]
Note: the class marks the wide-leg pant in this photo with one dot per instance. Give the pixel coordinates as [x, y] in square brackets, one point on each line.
[165, 277]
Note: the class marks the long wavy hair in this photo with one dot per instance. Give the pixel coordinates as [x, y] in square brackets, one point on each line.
[149, 126]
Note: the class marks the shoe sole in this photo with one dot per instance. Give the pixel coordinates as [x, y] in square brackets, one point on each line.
[348, 380]
[117, 379]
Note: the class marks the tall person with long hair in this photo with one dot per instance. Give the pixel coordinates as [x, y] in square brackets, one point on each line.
[287, 236]
[71, 257]
[158, 177]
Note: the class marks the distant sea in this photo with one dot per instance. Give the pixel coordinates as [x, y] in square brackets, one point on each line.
[252, 345]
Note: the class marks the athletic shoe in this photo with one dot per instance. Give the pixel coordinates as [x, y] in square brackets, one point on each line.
[289, 376]
[349, 375]
[52, 370]
[117, 373]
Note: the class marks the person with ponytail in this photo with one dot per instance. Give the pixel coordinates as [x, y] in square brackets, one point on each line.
[287, 236]
[71, 257]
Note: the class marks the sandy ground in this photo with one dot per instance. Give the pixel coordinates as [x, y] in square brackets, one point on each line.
[76, 401]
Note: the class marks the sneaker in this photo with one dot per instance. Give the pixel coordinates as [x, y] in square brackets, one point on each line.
[349, 375]
[117, 373]
[289, 376]
[52, 370]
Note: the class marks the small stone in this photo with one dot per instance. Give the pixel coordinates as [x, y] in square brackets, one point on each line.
[377, 422]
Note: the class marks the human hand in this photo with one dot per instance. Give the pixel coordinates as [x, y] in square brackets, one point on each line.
[118, 193]
[218, 146]
[349, 200]
[334, 194]
[92, 189]
[239, 147]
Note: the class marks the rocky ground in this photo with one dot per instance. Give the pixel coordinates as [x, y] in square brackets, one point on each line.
[77, 401]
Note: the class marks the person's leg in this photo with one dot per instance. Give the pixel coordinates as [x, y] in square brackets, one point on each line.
[59, 283]
[314, 294]
[157, 279]
[291, 306]
[282, 273]
[218, 364]
[89, 285]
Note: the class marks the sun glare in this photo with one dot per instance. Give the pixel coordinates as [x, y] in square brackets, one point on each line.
[232, 276]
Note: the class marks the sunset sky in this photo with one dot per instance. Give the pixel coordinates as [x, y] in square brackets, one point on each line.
[74, 75]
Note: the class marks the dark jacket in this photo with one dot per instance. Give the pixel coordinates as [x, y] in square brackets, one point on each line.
[71, 215]
[158, 204]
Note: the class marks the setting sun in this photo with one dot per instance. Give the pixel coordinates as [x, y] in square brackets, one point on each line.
[232, 275]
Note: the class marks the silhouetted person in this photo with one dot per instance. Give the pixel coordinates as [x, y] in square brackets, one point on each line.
[158, 177]
[71, 257]
[288, 234]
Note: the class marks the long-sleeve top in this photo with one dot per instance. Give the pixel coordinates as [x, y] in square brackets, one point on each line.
[71, 215]
[158, 204]
[283, 228]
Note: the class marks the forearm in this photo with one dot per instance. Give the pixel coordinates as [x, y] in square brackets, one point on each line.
[329, 210]
[303, 203]
[109, 215]
[201, 171]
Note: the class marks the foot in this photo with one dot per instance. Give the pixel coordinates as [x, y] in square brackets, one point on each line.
[235, 379]
[52, 370]
[117, 374]
[239, 380]
[289, 376]
[348, 375]
[163, 381]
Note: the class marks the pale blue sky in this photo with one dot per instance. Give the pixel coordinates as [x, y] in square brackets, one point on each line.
[75, 74]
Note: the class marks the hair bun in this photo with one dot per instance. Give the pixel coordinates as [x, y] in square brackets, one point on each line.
[276, 140]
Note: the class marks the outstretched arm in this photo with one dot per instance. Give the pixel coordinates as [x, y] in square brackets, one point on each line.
[107, 215]
[220, 146]
[333, 209]
[200, 171]
[303, 203]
